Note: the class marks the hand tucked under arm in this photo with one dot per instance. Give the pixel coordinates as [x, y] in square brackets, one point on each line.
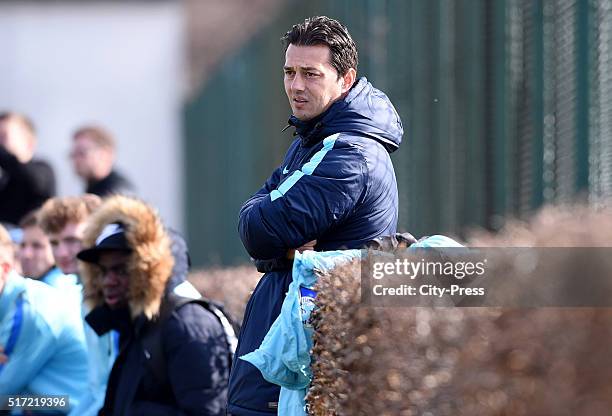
[308, 246]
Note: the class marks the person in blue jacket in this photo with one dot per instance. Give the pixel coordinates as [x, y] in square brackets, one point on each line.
[335, 189]
[42, 345]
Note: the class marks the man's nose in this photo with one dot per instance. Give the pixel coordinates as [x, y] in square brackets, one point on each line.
[61, 250]
[298, 83]
[109, 278]
[25, 253]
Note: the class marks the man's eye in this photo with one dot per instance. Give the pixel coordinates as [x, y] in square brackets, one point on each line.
[116, 270]
[311, 74]
[289, 73]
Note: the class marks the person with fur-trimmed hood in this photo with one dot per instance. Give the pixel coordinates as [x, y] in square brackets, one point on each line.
[174, 357]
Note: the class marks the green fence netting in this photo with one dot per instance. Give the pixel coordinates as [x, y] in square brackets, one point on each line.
[506, 105]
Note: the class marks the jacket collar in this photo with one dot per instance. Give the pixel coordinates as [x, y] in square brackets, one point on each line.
[313, 131]
[103, 319]
[308, 130]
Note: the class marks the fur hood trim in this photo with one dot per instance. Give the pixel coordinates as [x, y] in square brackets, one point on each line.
[151, 261]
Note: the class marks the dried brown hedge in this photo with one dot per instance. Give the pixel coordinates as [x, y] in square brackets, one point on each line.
[467, 361]
[230, 286]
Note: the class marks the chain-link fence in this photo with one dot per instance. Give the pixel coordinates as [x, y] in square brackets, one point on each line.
[506, 105]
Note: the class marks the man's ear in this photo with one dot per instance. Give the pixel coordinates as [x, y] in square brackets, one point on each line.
[32, 145]
[348, 80]
[5, 268]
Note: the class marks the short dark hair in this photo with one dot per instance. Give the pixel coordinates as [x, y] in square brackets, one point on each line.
[322, 30]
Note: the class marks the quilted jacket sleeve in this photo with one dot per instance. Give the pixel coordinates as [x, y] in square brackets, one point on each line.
[306, 203]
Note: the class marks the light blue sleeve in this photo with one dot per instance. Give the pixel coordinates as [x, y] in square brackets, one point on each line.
[437, 240]
[35, 345]
[49, 356]
[101, 354]
[284, 355]
[65, 372]
[292, 402]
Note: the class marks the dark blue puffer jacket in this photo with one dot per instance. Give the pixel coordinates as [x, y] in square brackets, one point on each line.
[336, 185]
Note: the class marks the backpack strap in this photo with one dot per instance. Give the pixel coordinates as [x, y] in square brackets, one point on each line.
[152, 338]
[230, 327]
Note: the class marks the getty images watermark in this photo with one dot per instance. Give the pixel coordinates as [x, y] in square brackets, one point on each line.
[507, 277]
[417, 270]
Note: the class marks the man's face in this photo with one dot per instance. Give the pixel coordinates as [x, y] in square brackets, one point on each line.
[87, 157]
[15, 138]
[65, 246]
[312, 84]
[115, 278]
[35, 253]
[6, 264]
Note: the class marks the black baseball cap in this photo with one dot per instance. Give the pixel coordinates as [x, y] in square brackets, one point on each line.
[112, 238]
